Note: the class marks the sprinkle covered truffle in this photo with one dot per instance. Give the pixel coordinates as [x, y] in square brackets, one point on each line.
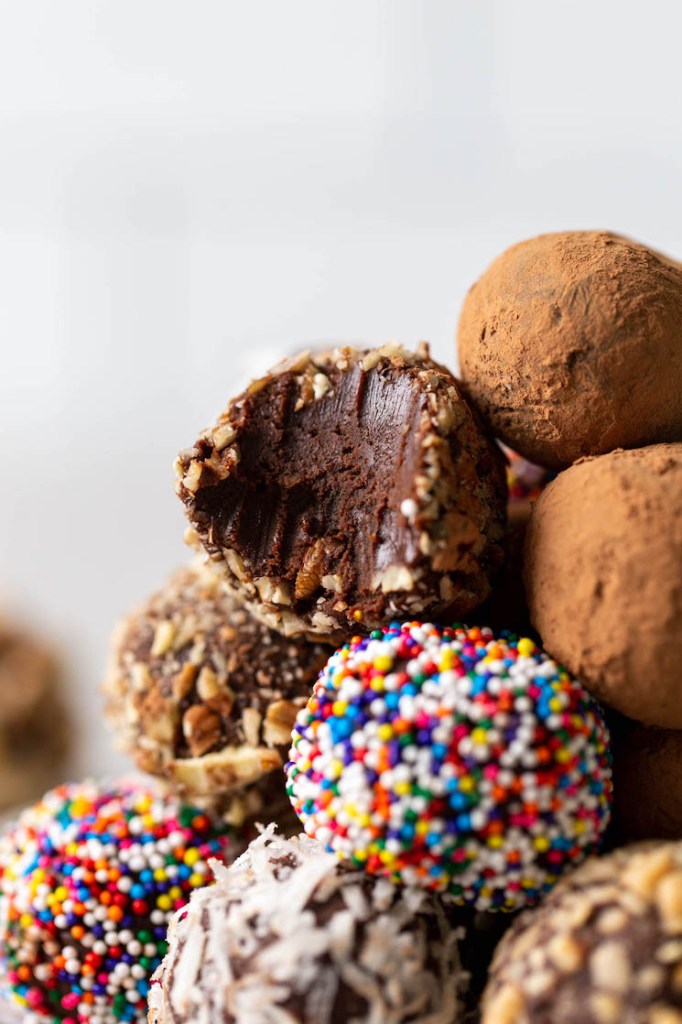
[452, 759]
[89, 879]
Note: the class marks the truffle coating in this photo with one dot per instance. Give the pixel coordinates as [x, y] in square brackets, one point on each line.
[348, 488]
[202, 693]
[605, 947]
[570, 344]
[289, 935]
[602, 572]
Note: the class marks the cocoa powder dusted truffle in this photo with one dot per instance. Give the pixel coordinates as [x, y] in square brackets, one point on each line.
[34, 727]
[348, 488]
[605, 947]
[647, 771]
[602, 571]
[204, 694]
[289, 936]
[571, 344]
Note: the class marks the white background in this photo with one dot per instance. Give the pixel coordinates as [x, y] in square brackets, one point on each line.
[189, 188]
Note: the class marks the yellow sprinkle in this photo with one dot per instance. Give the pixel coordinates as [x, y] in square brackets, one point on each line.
[383, 662]
[164, 902]
[335, 769]
[465, 784]
[386, 857]
[357, 615]
[385, 731]
[495, 842]
[563, 756]
[579, 826]
[175, 892]
[478, 736]
[554, 704]
[541, 843]
[61, 894]
[403, 788]
[447, 660]
[191, 857]
[525, 647]
[196, 881]
[159, 875]
[361, 855]
[377, 683]
[421, 828]
[339, 707]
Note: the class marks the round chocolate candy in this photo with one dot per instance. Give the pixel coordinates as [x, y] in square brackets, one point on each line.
[287, 934]
[89, 879]
[452, 759]
[204, 695]
[346, 488]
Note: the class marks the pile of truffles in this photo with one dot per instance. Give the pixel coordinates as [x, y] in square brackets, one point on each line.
[427, 655]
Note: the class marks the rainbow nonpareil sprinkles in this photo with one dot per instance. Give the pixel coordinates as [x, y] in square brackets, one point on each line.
[89, 879]
[452, 759]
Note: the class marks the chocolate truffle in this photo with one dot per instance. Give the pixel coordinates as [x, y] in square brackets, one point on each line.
[348, 488]
[605, 947]
[89, 879]
[647, 772]
[33, 720]
[454, 760]
[571, 344]
[202, 693]
[288, 934]
[602, 572]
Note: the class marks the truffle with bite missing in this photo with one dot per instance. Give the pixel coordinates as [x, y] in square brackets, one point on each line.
[347, 488]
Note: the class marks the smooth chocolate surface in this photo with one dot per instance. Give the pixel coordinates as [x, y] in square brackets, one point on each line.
[353, 488]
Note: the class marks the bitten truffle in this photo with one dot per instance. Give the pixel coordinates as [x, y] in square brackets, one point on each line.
[348, 488]
[288, 934]
[34, 725]
[570, 344]
[202, 693]
[602, 571]
[452, 759]
[605, 947]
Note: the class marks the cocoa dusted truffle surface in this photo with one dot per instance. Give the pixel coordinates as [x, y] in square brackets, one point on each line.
[602, 571]
[202, 693]
[647, 772]
[570, 344]
[34, 727]
[346, 489]
[605, 947]
[289, 935]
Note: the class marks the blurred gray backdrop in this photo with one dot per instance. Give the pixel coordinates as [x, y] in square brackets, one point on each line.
[189, 188]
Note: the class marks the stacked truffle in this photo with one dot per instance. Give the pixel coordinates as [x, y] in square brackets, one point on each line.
[598, 318]
[571, 346]
[357, 498]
